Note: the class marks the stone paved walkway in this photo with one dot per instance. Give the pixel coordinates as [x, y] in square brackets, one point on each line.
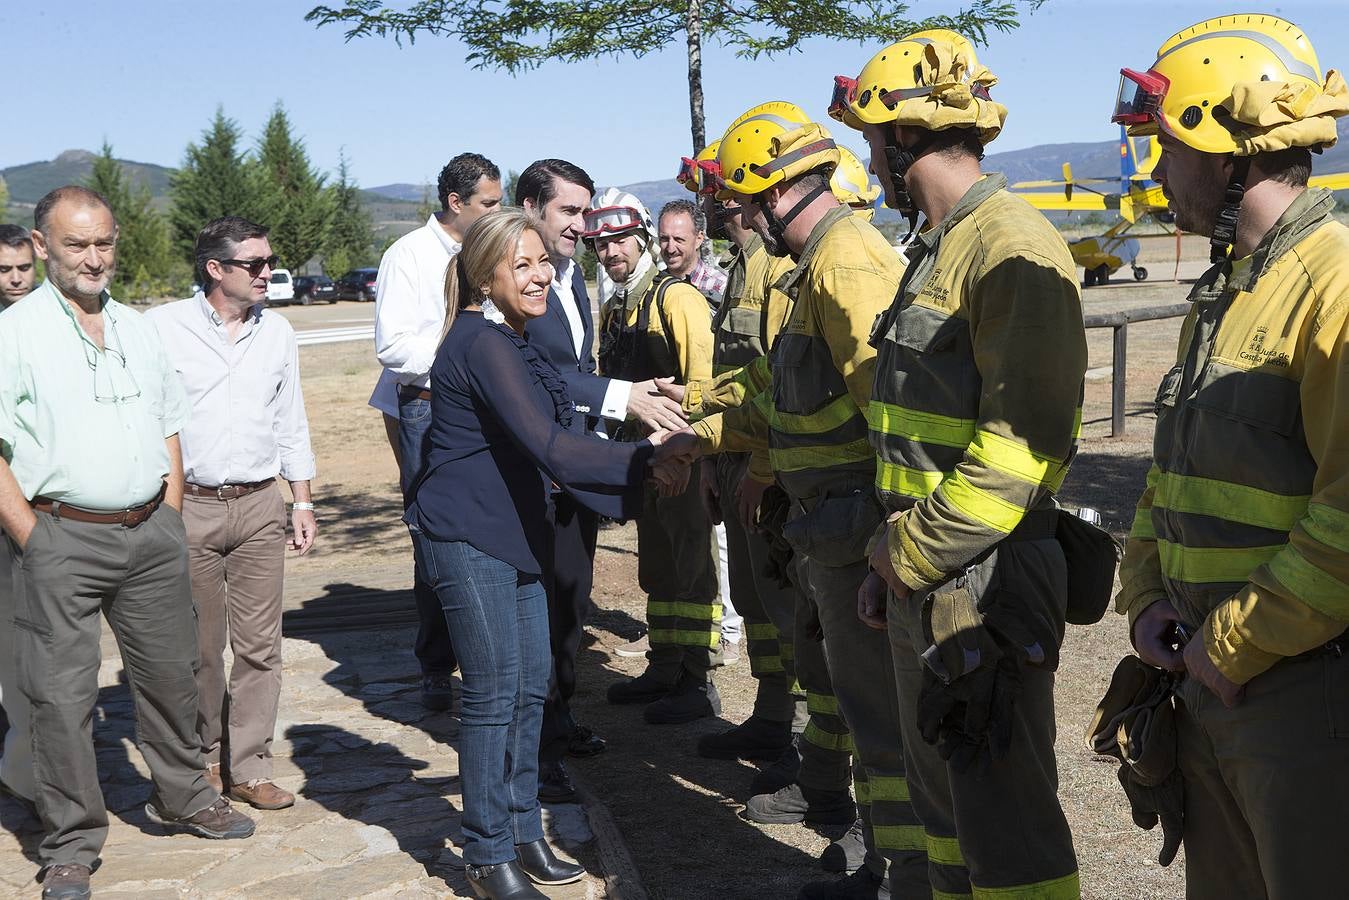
[378, 784]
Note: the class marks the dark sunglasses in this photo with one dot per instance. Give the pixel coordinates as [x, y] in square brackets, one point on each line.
[254, 267]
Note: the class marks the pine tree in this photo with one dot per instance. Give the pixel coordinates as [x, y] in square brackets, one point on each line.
[144, 256]
[301, 210]
[216, 179]
[351, 239]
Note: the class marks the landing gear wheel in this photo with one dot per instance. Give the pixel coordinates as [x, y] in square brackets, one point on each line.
[1088, 278]
[1140, 273]
[1102, 274]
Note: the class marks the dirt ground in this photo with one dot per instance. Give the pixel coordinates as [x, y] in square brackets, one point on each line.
[680, 814]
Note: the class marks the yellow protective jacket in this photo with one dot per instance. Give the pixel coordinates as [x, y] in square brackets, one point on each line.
[684, 352]
[810, 418]
[977, 399]
[752, 313]
[1244, 525]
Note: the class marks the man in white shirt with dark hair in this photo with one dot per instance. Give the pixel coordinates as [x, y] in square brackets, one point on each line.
[409, 319]
[239, 364]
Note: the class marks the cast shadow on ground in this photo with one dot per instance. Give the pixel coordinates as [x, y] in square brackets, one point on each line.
[1108, 482]
[651, 774]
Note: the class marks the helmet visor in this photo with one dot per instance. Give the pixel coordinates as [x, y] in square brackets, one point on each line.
[688, 173]
[1139, 103]
[611, 220]
[845, 91]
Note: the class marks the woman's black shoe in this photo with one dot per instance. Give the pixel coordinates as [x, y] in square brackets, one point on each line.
[537, 861]
[504, 881]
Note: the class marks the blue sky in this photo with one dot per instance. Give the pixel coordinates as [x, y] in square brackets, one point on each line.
[148, 74]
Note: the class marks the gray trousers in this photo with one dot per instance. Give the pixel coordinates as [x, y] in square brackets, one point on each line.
[236, 550]
[16, 763]
[863, 678]
[138, 578]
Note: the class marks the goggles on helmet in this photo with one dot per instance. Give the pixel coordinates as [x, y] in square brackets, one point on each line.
[845, 90]
[609, 220]
[1140, 99]
[711, 180]
[688, 171]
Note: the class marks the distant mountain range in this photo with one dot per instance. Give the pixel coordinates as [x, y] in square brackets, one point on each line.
[1094, 159]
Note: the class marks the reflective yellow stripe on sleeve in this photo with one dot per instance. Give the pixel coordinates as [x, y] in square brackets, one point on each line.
[989, 509]
[1017, 460]
[1311, 584]
[906, 480]
[1143, 529]
[795, 459]
[828, 417]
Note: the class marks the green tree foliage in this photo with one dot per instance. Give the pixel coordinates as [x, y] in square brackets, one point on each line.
[4, 201]
[217, 179]
[145, 264]
[517, 36]
[508, 189]
[351, 239]
[299, 210]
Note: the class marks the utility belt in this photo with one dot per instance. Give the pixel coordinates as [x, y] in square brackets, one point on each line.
[228, 491]
[130, 517]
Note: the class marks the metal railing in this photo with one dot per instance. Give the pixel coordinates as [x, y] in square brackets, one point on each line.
[1120, 322]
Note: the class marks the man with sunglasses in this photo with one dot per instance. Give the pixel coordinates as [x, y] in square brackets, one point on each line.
[90, 487]
[240, 366]
[1239, 543]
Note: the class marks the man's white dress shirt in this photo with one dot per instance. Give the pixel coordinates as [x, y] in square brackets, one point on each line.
[247, 422]
[410, 302]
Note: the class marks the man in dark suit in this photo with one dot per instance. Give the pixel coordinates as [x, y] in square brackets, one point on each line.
[557, 193]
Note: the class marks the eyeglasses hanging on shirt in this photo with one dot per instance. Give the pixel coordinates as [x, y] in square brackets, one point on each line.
[113, 379]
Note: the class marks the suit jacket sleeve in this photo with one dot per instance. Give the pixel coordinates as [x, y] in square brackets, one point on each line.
[550, 335]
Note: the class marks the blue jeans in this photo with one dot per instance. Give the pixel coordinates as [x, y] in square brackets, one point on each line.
[498, 620]
[433, 648]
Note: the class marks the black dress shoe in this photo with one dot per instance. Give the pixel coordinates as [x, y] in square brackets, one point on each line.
[555, 783]
[504, 881]
[538, 862]
[583, 742]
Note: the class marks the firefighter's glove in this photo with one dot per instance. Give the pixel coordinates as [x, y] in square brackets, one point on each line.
[972, 673]
[1135, 722]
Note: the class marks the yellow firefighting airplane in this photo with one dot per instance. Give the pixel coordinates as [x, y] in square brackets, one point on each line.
[1138, 197]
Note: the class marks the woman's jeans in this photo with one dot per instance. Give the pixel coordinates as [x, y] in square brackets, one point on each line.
[498, 620]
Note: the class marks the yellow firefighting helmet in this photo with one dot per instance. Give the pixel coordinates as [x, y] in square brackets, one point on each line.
[691, 170]
[759, 153]
[1240, 84]
[931, 79]
[852, 184]
[779, 113]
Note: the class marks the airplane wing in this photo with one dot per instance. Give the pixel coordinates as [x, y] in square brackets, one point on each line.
[1336, 181]
[1086, 202]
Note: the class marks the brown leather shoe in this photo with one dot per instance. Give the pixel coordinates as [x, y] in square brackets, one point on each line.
[219, 821]
[213, 777]
[262, 794]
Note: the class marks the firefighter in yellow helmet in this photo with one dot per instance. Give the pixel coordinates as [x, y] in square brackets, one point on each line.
[741, 327]
[974, 413]
[809, 779]
[809, 425]
[1239, 545]
[852, 185]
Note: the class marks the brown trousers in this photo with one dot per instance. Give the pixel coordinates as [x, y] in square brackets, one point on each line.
[236, 549]
[1267, 783]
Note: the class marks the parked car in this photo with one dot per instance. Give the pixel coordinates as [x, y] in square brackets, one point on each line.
[313, 288]
[281, 289]
[358, 284]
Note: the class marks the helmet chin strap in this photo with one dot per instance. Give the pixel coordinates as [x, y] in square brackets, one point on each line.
[1225, 229]
[898, 159]
[777, 225]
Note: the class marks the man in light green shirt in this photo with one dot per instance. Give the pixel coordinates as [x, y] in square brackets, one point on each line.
[91, 483]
